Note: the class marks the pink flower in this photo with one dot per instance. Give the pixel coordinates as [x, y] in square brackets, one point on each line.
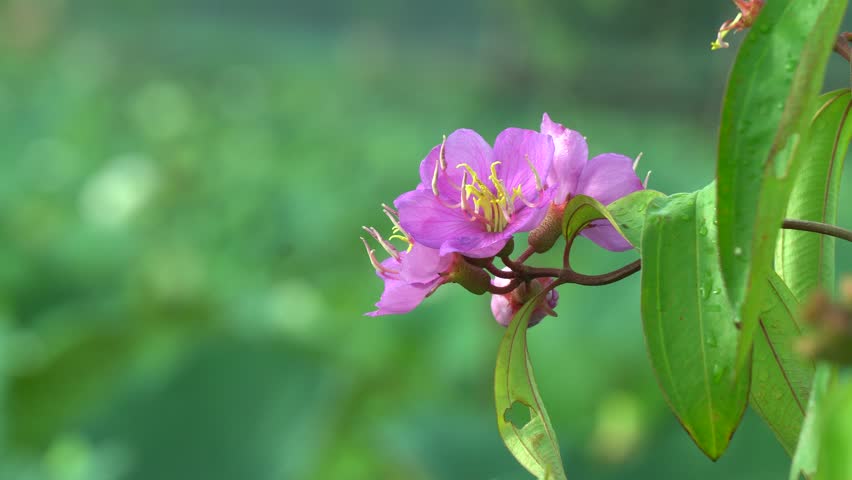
[606, 178]
[472, 199]
[504, 307]
[409, 275]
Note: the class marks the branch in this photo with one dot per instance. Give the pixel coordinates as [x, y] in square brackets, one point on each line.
[817, 227]
[841, 46]
[606, 278]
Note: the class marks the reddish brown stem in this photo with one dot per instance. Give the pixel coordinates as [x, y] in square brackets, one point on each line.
[506, 289]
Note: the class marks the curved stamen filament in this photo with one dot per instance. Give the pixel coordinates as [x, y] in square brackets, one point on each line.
[371, 253]
[538, 186]
[392, 251]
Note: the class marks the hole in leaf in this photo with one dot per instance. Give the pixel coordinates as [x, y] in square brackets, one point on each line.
[519, 414]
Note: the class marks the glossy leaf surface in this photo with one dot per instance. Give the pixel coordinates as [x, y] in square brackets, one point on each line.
[835, 459]
[806, 260]
[688, 322]
[808, 449]
[771, 93]
[781, 378]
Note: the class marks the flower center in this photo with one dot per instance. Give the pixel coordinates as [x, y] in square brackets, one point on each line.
[492, 205]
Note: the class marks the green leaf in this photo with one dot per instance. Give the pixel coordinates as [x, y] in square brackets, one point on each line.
[530, 438]
[807, 451]
[771, 95]
[687, 319]
[806, 260]
[835, 456]
[627, 214]
[781, 379]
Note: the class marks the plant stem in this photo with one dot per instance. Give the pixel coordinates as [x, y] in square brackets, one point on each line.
[817, 227]
[606, 278]
[841, 46]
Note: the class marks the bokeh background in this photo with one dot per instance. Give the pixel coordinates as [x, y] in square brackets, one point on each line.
[181, 194]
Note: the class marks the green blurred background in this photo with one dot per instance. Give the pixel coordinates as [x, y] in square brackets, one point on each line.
[181, 195]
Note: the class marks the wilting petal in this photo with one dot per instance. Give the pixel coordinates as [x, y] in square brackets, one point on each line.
[608, 177]
[517, 149]
[570, 155]
[606, 236]
[432, 224]
[402, 297]
[423, 264]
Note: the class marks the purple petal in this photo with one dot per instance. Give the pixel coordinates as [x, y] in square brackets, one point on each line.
[402, 297]
[423, 264]
[526, 218]
[608, 177]
[569, 157]
[462, 147]
[482, 245]
[432, 224]
[502, 309]
[516, 149]
[606, 236]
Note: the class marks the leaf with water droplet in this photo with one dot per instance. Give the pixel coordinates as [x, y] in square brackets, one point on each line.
[757, 164]
[690, 338]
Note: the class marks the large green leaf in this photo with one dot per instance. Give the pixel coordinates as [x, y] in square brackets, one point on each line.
[627, 214]
[780, 378]
[531, 438]
[808, 449]
[771, 95]
[806, 260]
[835, 457]
[688, 321]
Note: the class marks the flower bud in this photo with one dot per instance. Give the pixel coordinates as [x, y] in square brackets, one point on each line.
[504, 307]
[474, 279]
[545, 235]
[831, 336]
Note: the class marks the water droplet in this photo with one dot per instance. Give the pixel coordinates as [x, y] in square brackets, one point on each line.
[716, 291]
[711, 341]
[702, 231]
[791, 65]
[738, 251]
[718, 372]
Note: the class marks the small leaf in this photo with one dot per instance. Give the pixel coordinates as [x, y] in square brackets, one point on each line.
[687, 320]
[781, 379]
[627, 214]
[835, 456]
[806, 260]
[771, 95]
[521, 417]
[808, 449]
